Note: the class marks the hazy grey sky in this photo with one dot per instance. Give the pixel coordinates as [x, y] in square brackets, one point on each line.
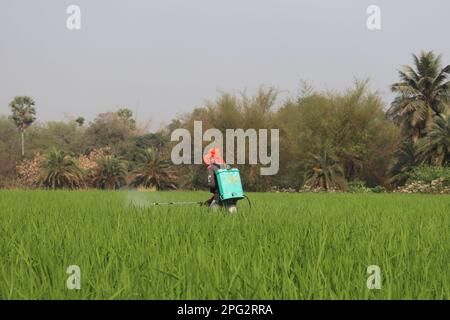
[166, 57]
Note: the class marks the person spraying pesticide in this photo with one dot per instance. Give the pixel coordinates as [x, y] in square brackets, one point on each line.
[223, 182]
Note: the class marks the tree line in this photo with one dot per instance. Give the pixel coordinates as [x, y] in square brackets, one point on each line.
[328, 141]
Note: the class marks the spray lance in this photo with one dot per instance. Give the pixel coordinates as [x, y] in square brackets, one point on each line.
[187, 203]
[180, 203]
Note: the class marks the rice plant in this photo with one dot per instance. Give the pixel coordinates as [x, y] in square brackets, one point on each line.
[288, 246]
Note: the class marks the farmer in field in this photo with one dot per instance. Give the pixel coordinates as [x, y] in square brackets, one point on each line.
[213, 161]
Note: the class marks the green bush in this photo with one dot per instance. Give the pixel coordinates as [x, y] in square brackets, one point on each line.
[358, 186]
[428, 174]
[378, 189]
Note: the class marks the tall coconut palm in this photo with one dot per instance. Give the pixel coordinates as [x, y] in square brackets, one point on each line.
[153, 171]
[110, 173]
[435, 147]
[59, 170]
[405, 162]
[422, 94]
[23, 115]
[325, 173]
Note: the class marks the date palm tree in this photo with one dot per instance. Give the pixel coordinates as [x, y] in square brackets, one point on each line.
[422, 94]
[405, 161]
[325, 173]
[153, 171]
[435, 147]
[23, 115]
[59, 170]
[110, 173]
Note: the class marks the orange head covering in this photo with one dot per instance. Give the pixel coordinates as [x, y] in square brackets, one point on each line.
[213, 156]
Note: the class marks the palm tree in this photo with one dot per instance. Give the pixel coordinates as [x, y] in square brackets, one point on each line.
[126, 115]
[423, 93]
[153, 171]
[435, 147]
[59, 170]
[80, 121]
[325, 173]
[405, 162]
[23, 115]
[110, 173]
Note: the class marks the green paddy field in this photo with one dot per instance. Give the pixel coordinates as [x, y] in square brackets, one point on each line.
[288, 246]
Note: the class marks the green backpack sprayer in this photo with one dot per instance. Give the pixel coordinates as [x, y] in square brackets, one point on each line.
[224, 183]
[227, 189]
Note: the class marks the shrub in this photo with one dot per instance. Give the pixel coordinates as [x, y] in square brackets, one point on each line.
[358, 186]
[436, 186]
[378, 189]
[89, 162]
[428, 179]
[29, 171]
[428, 174]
